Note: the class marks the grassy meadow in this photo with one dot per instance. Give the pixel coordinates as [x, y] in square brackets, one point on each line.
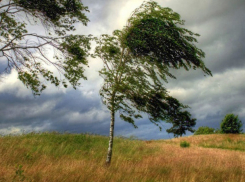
[51, 157]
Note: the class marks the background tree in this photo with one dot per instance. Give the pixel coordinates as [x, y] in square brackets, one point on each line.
[28, 52]
[137, 60]
[204, 130]
[182, 122]
[231, 124]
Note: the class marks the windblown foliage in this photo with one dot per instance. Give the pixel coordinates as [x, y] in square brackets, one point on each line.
[28, 52]
[137, 61]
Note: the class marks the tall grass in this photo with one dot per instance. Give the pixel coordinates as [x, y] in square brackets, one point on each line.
[81, 157]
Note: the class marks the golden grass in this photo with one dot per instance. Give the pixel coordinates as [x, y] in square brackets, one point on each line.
[162, 160]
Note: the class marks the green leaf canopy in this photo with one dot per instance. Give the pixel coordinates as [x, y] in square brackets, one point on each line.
[137, 62]
[29, 52]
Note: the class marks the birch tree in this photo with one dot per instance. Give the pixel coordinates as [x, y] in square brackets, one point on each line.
[27, 51]
[137, 61]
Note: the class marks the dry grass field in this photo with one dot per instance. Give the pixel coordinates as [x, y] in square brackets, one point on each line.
[51, 157]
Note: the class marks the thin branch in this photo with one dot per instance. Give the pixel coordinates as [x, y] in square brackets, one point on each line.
[7, 5]
[57, 66]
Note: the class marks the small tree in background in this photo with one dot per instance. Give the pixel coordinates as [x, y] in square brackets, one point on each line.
[231, 124]
[182, 123]
[204, 130]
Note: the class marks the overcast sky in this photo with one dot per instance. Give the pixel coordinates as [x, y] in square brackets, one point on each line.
[221, 26]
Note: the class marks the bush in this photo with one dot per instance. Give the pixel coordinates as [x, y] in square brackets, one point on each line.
[217, 131]
[205, 130]
[231, 124]
[184, 144]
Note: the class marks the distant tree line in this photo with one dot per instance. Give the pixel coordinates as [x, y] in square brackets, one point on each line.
[230, 124]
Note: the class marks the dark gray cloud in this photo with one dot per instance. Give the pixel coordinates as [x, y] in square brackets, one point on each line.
[220, 24]
[73, 112]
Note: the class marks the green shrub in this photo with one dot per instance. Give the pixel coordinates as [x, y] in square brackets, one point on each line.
[217, 131]
[184, 144]
[231, 124]
[205, 130]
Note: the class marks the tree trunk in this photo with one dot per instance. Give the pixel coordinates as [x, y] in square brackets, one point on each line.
[109, 153]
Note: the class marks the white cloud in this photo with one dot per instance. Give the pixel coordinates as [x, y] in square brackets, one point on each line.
[24, 129]
[92, 116]
[126, 11]
[11, 84]
[212, 95]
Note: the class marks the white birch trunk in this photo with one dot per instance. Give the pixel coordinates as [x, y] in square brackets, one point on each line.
[109, 154]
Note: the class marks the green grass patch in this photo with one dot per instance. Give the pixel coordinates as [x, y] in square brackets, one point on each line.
[227, 143]
[30, 147]
[184, 144]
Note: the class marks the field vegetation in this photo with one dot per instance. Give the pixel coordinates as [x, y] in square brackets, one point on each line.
[81, 157]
